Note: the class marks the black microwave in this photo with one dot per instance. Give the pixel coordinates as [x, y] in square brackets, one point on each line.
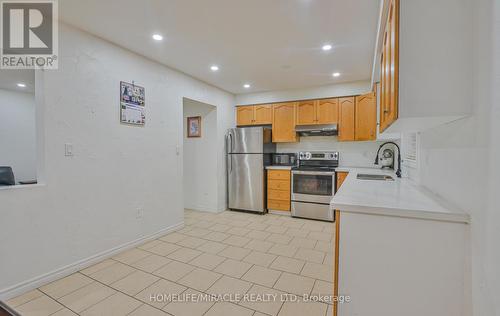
[284, 159]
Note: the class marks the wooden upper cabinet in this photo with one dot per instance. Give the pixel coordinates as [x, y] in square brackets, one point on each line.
[263, 114]
[389, 69]
[284, 118]
[327, 111]
[346, 119]
[394, 65]
[306, 112]
[254, 115]
[366, 117]
[356, 117]
[244, 115]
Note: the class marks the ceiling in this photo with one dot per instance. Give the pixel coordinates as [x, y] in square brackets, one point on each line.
[9, 78]
[270, 44]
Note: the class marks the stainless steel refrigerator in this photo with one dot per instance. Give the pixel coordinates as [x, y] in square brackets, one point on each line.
[249, 151]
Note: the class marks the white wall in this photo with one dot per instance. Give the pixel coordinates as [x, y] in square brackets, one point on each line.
[200, 159]
[334, 90]
[17, 133]
[90, 201]
[460, 160]
[352, 154]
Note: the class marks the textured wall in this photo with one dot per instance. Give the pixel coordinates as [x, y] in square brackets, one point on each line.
[89, 201]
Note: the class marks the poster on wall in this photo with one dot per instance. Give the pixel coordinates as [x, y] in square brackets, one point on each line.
[132, 104]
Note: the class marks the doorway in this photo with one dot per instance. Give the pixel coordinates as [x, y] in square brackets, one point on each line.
[200, 156]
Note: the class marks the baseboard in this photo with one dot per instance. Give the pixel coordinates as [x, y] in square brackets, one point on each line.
[277, 212]
[202, 209]
[41, 280]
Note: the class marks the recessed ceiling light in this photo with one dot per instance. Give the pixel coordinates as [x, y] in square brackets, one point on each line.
[157, 37]
[214, 67]
[336, 74]
[326, 47]
[21, 85]
[246, 86]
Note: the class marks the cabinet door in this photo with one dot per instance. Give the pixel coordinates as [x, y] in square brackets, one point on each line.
[366, 117]
[284, 117]
[244, 115]
[386, 83]
[263, 114]
[394, 62]
[327, 111]
[382, 95]
[306, 112]
[346, 119]
[340, 178]
[389, 70]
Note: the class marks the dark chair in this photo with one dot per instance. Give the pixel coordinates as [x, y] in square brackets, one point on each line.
[6, 176]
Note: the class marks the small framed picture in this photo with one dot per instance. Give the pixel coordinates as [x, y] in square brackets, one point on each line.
[194, 126]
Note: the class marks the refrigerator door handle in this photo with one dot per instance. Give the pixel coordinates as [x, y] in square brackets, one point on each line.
[231, 146]
[229, 142]
[229, 156]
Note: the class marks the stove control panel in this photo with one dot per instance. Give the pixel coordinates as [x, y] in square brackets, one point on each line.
[318, 155]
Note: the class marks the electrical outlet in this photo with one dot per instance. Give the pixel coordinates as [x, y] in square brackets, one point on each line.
[139, 214]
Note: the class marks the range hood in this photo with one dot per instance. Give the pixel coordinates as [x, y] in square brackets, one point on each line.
[317, 130]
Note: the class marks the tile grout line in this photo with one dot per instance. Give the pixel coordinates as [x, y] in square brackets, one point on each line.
[117, 290]
[78, 313]
[203, 237]
[63, 306]
[37, 289]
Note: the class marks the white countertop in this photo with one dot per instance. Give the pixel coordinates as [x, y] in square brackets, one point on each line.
[401, 197]
[279, 167]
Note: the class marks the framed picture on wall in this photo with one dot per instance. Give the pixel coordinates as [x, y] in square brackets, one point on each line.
[194, 126]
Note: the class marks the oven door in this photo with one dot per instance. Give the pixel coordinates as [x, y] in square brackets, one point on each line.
[313, 186]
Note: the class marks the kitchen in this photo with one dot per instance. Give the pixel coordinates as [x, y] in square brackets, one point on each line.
[302, 123]
[370, 197]
[362, 196]
[332, 157]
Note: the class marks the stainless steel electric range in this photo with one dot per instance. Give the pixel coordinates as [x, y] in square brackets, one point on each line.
[313, 185]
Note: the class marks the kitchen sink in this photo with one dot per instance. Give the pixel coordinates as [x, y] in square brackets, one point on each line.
[379, 177]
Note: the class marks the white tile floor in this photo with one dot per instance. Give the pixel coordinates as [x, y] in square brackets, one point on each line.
[227, 253]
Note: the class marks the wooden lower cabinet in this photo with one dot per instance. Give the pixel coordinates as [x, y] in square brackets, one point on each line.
[340, 178]
[278, 190]
[278, 205]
